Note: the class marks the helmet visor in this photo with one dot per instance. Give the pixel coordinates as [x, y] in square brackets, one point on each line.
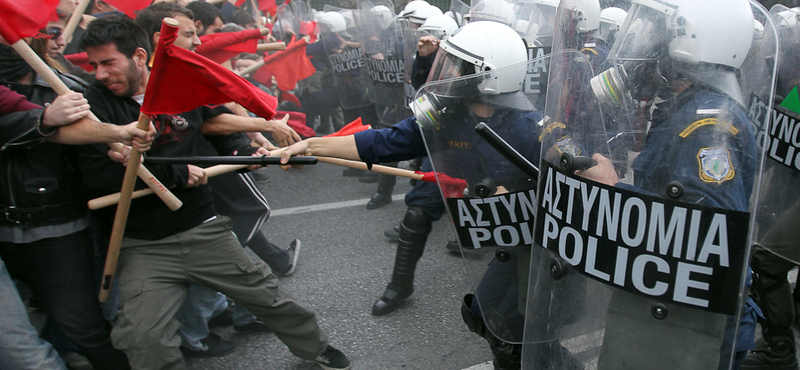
[643, 36]
[447, 66]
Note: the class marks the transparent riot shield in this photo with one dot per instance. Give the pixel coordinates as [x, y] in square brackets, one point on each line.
[345, 56]
[410, 39]
[776, 217]
[501, 11]
[490, 201]
[458, 11]
[535, 22]
[286, 26]
[642, 259]
[304, 18]
[383, 48]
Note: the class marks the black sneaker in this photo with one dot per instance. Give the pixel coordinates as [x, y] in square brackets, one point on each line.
[294, 254]
[452, 246]
[215, 347]
[332, 359]
[253, 327]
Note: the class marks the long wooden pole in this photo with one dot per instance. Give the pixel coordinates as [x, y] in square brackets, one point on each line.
[121, 217]
[74, 21]
[60, 88]
[112, 199]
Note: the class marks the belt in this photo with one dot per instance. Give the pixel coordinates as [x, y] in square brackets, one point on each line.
[30, 214]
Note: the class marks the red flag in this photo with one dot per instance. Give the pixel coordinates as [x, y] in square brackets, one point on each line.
[451, 187]
[351, 128]
[307, 28]
[80, 60]
[181, 80]
[297, 121]
[287, 96]
[222, 46]
[267, 5]
[130, 7]
[24, 18]
[290, 65]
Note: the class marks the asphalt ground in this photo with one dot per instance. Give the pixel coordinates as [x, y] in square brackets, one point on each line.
[345, 264]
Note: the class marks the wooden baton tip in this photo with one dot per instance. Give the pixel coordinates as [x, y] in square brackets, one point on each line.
[172, 22]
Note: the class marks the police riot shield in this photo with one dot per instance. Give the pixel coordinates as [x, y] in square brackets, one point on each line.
[490, 201]
[501, 11]
[286, 26]
[535, 22]
[345, 54]
[643, 197]
[776, 217]
[304, 19]
[411, 37]
[383, 48]
[458, 10]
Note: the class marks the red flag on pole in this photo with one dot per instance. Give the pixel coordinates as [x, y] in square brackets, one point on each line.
[351, 128]
[307, 28]
[222, 46]
[451, 187]
[130, 7]
[24, 18]
[289, 66]
[181, 80]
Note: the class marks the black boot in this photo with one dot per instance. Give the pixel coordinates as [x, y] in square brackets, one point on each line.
[779, 353]
[414, 230]
[383, 195]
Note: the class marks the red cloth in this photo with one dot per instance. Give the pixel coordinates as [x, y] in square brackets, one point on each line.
[307, 28]
[11, 101]
[451, 187]
[24, 18]
[297, 121]
[268, 5]
[80, 60]
[289, 66]
[130, 7]
[352, 128]
[287, 96]
[181, 80]
[223, 46]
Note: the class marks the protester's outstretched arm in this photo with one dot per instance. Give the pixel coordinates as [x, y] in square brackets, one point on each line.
[224, 124]
[336, 146]
[86, 131]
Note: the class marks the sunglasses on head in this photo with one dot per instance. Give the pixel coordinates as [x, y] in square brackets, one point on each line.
[55, 33]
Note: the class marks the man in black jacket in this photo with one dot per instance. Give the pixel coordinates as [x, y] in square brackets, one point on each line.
[164, 251]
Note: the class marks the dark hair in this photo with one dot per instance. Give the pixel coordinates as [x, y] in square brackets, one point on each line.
[117, 29]
[205, 12]
[242, 18]
[150, 18]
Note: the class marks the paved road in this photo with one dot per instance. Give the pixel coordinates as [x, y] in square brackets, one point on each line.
[344, 266]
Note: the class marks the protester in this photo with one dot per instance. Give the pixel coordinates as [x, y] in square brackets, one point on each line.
[164, 251]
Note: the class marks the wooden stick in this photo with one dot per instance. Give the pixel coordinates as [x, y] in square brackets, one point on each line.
[60, 88]
[386, 170]
[121, 217]
[74, 21]
[251, 69]
[215, 1]
[272, 46]
[112, 199]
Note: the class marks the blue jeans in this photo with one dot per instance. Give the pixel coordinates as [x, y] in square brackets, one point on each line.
[20, 346]
[60, 272]
[203, 304]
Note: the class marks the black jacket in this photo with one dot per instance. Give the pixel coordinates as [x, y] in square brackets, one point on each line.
[178, 135]
[39, 185]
